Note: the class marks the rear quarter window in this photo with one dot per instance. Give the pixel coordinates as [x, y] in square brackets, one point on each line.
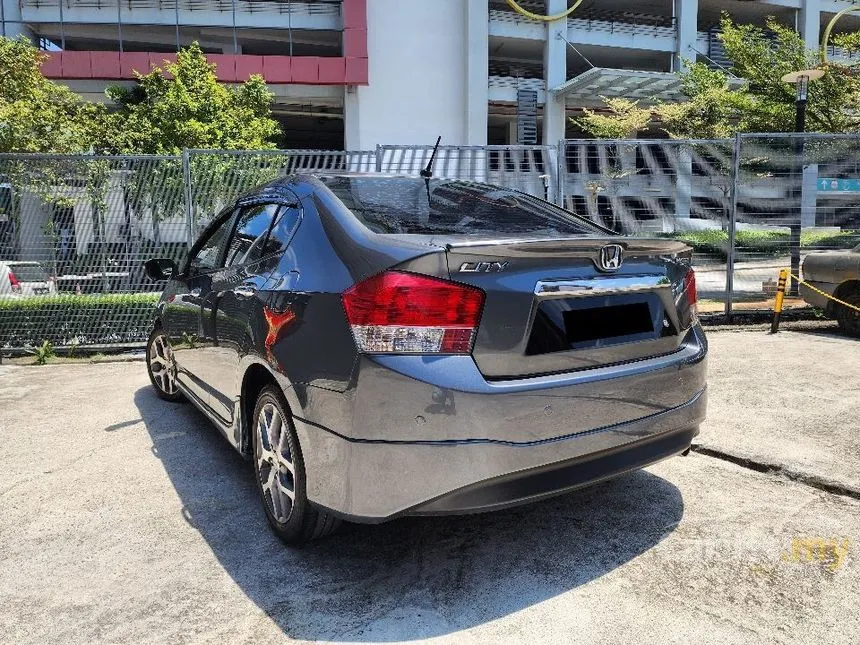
[28, 272]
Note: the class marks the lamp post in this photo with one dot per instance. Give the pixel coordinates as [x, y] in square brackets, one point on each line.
[801, 80]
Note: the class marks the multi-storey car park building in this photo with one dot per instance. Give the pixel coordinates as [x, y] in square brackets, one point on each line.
[356, 73]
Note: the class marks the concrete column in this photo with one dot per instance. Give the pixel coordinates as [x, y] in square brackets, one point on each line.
[686, 17]
[512, 132]
[809, 196]
[684, 184]
[555, 73]
[809, 22]
[477, 70]
[352, 121]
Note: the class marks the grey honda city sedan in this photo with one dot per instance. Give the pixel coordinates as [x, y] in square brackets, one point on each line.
[381, 346]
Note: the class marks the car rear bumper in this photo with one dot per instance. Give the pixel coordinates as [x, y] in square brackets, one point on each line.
[432, 449]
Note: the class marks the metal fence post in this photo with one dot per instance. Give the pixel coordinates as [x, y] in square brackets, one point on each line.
[378, 158]
[560, 170]
[733, 219]
[189, 207]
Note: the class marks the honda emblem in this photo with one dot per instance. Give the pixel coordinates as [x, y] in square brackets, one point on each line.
[610, 257]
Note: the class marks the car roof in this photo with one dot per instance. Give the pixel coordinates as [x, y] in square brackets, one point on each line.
[303, 184]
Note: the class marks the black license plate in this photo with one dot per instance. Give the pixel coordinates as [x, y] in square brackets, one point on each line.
[584, 325]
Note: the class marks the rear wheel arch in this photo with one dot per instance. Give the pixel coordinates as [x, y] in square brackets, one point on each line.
[848, 291]
[847, 287]
[255, 378]
[842, 290]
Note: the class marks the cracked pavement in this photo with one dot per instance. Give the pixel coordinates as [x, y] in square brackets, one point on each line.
[124, 519]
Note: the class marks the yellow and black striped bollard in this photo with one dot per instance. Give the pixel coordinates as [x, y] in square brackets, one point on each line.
[780, 297]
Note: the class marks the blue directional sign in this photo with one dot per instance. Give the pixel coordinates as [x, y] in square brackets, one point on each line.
[829, 185]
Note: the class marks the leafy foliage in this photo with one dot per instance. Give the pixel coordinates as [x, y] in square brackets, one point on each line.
[774, 242]
[43, 353]
[624, 118]
[760, 58]
[37, 115]
[76, 320]
[184, 106]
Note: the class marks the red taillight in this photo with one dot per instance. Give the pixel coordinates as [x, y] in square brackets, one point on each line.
[405, 313]
[690, 290]
[13, 281]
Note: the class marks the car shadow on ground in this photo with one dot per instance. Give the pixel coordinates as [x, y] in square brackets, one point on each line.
[825, 329]
[411, 578]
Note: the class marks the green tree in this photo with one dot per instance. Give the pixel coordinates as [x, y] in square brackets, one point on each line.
[184, 106]
[760, 102]
[37, 115]
[622, 119]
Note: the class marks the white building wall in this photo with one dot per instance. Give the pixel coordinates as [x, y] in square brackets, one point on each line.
[12, 21]
[418, 65]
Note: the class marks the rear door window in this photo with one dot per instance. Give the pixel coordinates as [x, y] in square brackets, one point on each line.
[249, 242]
[208, 255]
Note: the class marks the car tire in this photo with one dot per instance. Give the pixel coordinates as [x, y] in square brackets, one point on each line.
[161, 366]
[848, 319]
[279, 471]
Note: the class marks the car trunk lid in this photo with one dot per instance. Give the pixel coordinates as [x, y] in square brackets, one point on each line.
[550, 309]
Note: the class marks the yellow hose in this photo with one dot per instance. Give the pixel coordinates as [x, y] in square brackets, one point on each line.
[826, 38]
[534, 16]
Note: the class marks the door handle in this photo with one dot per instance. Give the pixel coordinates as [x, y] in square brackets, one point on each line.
[245, 292]
[195, 292]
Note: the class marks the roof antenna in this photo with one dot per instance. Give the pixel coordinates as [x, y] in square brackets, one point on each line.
[427, 173]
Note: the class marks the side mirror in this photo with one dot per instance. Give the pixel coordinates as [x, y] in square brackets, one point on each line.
[160, 268]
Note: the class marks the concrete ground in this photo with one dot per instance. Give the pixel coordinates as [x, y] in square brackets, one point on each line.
[790, 401]
[124, 519]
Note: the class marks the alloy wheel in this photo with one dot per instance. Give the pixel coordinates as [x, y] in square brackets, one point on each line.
[275, 466]
[162, 364]
[849, 319]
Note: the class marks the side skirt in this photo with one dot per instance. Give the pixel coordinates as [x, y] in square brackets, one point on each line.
[227, 431]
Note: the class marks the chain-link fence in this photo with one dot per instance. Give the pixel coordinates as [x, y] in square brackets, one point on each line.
[215, 178]
[678, 189]
[74, 233]
[795, 194]
[77, 229]
[530, 169]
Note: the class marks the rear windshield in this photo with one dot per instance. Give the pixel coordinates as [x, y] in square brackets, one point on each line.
[402, 205]
[28, 272]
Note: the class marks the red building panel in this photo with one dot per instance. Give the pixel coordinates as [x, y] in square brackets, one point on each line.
[230, 68]
[161, 60]
[277, 69]
[105, 65]
[225, 66]
[53, 65]
[306, 70]
[130, 62]
[77, 65]
[355, 43]
[357, 71]
[332, 71]
[355, 14]
[248, 65]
